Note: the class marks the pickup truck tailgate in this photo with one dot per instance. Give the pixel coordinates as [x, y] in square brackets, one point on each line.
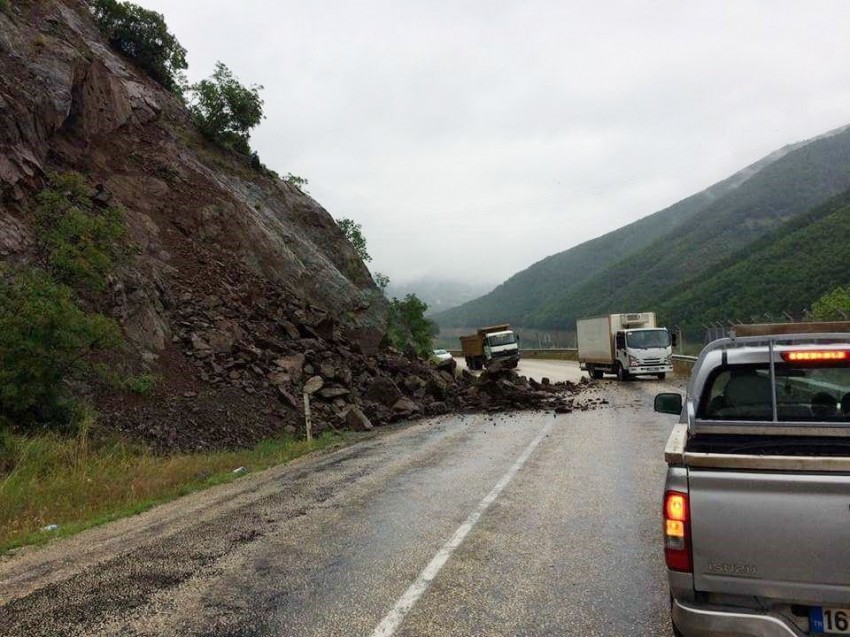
[782, 536]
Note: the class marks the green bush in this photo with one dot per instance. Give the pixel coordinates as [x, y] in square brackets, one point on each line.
[407, 325]
[833, 306]
[224, 110]
[141, 384]
[76, 242]
[46, 339]
[298, 182]
[143, 36]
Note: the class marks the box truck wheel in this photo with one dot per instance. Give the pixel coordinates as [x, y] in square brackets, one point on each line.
[596, 373]
[622, 374]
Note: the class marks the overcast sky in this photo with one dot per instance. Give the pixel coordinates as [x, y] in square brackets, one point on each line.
[472, 139]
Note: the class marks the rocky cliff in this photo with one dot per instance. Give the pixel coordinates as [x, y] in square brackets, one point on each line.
[67, 101]
[212, 238]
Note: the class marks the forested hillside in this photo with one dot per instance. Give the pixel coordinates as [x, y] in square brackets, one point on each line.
[785, 271]
[637, 265]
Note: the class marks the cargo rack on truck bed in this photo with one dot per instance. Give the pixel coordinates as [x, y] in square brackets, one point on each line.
[769, 352]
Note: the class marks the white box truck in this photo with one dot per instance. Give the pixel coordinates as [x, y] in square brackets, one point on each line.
[625, 345]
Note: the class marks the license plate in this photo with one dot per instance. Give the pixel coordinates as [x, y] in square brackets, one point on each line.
[830, 621]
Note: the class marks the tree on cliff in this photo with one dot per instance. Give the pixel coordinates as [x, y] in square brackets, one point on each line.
[143, 36]
[224, 110]
[354, 233]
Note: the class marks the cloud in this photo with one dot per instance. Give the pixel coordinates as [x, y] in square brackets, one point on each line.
[472, 139]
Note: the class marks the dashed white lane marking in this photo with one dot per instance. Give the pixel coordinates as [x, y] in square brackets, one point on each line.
[408, 600]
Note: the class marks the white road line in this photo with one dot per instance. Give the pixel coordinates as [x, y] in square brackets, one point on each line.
[406, 602]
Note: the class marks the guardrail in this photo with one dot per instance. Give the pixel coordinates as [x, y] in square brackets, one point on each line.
[562, 353]
[533, 353]
[685, 359]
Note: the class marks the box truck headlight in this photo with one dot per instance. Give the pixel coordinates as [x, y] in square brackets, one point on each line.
[633, 362]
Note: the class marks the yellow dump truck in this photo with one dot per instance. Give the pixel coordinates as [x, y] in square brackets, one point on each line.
[496, 342]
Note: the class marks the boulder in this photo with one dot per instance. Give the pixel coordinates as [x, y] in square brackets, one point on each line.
[413, 383]
[286, 396]
[330, 393]
[313, 385]
[220, 341]
[437, 387]
[404, 407]
[357, 420]
[292, 365]
[279, 378]
[383, 391]
[289, 329]
[198, 344]
[499, 364]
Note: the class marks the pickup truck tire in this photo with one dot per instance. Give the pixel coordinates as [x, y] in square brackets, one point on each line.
[622, 374]
[676, 631]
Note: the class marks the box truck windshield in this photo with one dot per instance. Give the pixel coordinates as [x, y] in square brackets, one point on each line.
[648, 339]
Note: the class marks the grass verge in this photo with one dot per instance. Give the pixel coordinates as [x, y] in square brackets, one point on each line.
[76, 483]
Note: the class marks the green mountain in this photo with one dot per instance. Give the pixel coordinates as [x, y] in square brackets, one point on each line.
[784, 271]
[633, 266]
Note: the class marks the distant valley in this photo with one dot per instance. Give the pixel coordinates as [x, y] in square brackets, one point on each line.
[439, 294]
[769, 239]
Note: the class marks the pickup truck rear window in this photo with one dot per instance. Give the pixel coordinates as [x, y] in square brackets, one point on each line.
[802, 394]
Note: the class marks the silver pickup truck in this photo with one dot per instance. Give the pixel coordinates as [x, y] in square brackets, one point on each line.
[757, 499]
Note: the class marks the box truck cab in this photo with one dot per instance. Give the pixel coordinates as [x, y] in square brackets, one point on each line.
[625, 345]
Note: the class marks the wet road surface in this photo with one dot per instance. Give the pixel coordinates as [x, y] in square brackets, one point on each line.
[568, 545]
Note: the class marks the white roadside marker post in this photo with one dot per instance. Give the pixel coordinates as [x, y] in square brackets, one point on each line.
[307, 421]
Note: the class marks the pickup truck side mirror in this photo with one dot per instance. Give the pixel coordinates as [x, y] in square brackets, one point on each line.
[668, 403]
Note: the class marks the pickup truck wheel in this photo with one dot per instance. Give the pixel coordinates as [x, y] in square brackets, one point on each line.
[661, 376]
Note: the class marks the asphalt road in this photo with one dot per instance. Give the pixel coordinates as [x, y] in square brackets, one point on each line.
[522, 524]
[539, 368]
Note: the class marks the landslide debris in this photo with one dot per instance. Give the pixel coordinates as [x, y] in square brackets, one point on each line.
[244, 355]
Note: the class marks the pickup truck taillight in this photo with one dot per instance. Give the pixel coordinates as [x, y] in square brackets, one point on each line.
[677, 532]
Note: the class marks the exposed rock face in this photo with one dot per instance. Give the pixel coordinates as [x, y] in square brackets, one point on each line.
[68, 102]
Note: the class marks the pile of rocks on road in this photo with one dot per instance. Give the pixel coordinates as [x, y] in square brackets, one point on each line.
[244, 355]
[306, 354]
